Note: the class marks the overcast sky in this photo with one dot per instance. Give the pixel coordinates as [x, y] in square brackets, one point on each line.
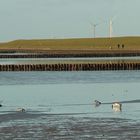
[28, 19]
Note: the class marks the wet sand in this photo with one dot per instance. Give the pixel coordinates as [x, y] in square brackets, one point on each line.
[30, 126]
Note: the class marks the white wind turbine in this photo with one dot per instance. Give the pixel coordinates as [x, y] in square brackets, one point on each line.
[111, 27]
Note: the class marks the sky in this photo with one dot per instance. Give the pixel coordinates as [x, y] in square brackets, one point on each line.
[45, 19]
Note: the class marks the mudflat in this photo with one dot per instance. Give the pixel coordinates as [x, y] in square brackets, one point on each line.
[29, 126]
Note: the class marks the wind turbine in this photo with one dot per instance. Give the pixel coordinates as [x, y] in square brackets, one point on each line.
[94, 28]
[111, 26]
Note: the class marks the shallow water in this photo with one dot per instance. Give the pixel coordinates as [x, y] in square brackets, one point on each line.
[53, 60]
[60, 105]
[71, 92]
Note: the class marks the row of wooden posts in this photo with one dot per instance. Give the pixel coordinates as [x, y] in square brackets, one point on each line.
[71, 67]
[41, 55]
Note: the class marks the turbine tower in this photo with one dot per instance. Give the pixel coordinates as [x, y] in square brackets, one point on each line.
[110, 28]
[94, 28]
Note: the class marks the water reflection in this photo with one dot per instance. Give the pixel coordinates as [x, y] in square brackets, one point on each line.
[84, 77]
[71, 92]
[62, 60]
[71, 99]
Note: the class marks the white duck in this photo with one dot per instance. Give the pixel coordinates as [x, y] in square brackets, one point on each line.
[20, 110]
[117, 107]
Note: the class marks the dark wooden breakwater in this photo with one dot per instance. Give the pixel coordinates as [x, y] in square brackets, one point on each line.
[73, 54]
[72, 67]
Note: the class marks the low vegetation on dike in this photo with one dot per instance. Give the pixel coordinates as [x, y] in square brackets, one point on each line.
[79, 44]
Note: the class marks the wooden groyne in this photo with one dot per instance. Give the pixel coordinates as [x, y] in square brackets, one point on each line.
[71, 67]
[74, 54]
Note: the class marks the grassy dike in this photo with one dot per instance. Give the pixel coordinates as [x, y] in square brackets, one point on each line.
[72, 45]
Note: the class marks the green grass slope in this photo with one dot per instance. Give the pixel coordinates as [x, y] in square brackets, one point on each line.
[73, 44]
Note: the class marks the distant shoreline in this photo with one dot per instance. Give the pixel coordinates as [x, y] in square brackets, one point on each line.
[73, 46]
